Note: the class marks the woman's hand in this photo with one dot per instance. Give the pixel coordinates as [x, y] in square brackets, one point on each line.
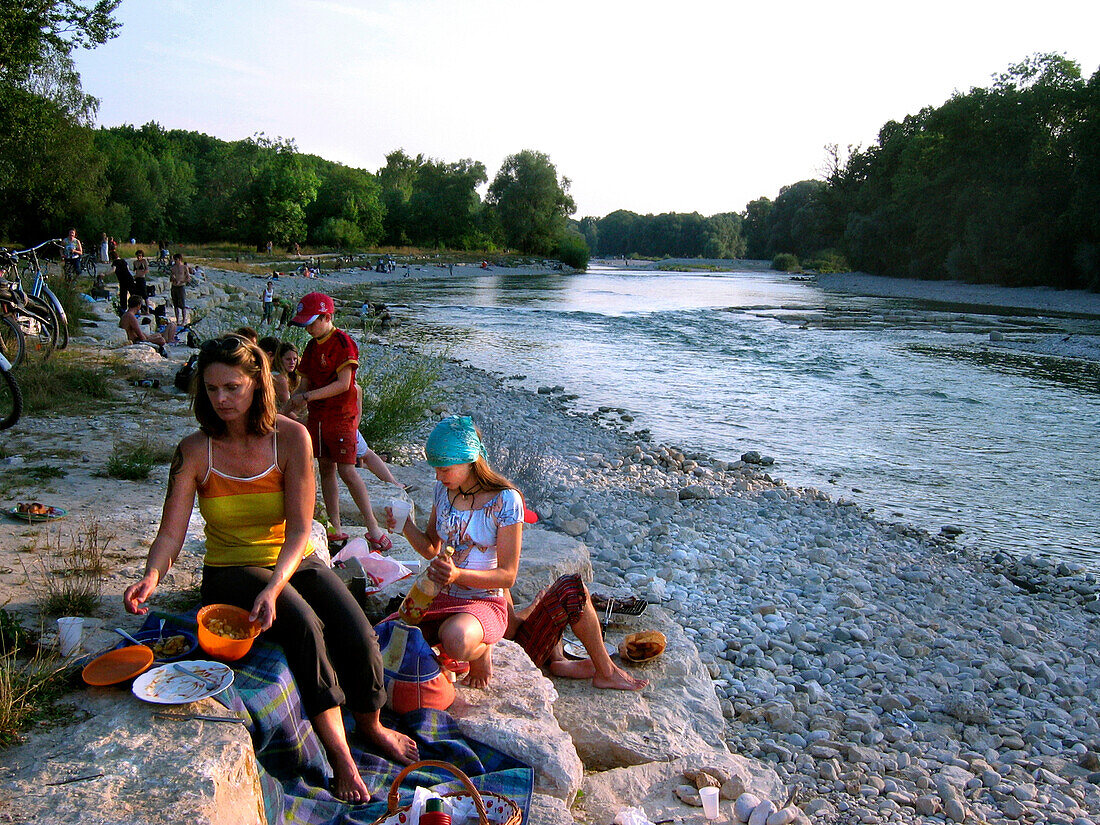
[442, 570]
[263, 609]
[137, 594]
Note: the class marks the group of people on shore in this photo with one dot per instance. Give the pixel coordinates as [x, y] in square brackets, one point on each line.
[263, 417]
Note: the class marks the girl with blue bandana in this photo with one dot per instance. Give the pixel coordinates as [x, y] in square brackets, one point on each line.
[479, 513]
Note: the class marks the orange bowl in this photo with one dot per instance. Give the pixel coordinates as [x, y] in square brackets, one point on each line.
[236, 620]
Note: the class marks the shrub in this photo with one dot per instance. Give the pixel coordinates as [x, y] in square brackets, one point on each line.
[829, 261]
[71, 570]
[786, 262]
[76, 308]
[134, 462]
[28, 691]
[340, 233]
[397, 392]
[573, 251]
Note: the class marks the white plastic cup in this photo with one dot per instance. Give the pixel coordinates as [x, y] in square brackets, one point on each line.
[709, 795]
[69, 631]
[401, 509]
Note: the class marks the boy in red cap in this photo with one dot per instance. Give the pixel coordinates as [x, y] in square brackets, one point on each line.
[328, 387]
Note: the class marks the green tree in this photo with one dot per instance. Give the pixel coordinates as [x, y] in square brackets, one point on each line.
[444, 208]
[278, 193]
[348, 210]
[531, 203]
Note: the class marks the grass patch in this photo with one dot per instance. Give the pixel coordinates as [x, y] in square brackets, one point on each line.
[29, 690]
[64, 384]
[397, 392]
[134, 462]
[29, 476]
[69, 571]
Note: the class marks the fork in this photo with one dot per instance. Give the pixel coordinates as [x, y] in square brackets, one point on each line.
[209, 684]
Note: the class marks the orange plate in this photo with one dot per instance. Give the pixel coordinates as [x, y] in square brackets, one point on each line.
[116, 666]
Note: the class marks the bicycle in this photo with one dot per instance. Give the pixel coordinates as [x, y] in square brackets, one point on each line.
[33, 317]
[40, 289]
[89, 265]
[11, 399]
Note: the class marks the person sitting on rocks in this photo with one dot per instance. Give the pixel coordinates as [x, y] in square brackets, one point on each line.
[538, 629]
[130, 324]
[479, 513]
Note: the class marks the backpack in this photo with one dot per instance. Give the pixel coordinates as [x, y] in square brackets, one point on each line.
[182, 381]
[410, 670]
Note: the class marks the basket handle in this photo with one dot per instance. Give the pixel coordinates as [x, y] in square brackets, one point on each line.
[395, 789]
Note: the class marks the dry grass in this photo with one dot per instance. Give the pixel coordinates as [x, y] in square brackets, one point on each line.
[28, 690]
[67, 575]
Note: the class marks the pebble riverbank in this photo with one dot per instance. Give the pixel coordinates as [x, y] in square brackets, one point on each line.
[886, 674]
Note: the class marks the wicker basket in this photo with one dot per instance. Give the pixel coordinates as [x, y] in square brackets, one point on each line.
[493, 809]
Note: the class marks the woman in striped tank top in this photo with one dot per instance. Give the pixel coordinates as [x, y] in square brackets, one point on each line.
[252, 471]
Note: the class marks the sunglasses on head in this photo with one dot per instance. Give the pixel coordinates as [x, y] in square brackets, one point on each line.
[227, 344]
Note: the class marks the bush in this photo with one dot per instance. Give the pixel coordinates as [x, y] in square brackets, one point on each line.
[829, 261]
[340, 233]
[397, 391]
[28, 691]
[786, 262]
[573, 251]
[134, 462]
[71, 571]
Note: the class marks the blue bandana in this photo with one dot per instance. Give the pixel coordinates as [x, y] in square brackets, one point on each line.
[454, 441]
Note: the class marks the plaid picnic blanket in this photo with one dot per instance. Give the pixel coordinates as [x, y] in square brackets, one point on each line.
[294, 770]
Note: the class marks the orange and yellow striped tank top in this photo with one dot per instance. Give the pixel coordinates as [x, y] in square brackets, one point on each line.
[245, 517]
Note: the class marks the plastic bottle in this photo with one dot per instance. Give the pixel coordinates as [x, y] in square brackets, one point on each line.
[420, 595]
[433, 813]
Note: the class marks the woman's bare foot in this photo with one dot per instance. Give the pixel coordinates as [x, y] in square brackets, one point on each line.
[481, 671]
[389, 743]
[347, 784]
[568, 669]
[618, 679]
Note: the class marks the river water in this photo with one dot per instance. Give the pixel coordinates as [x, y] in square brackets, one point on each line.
[899, 405]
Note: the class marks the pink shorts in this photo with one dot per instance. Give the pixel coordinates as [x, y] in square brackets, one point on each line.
[491, 613]
[333, 439]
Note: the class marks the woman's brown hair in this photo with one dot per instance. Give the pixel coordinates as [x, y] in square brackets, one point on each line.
[235, 351]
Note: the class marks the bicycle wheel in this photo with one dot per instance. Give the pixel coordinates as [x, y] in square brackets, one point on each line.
[11, 400]
[39, 323]
[11, 340]
[62, 319]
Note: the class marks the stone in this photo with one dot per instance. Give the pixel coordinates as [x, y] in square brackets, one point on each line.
[689, 795]
[549, 810]
[744, 806]
[675, 715]
[156, 771]
[546, 556]
[651, 786]
[574, 526]
[761, 812]
[927, 805]
[693, 491]
[968, 708]
[784, 816]
[517, 717]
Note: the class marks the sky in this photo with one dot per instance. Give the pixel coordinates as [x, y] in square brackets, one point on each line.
[677, 106]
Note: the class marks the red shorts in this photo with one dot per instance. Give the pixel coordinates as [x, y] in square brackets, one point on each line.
[333, 439]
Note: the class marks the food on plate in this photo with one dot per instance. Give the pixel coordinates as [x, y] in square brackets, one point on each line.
[170, 646]
[34, 508]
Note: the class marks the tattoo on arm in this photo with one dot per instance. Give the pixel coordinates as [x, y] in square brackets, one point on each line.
[174, 470]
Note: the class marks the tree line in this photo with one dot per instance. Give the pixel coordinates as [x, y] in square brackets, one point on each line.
[151, 183]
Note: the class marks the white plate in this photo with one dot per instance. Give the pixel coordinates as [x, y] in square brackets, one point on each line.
[165, 685]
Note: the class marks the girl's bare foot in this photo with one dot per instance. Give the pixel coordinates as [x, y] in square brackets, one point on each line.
[389, 743]
[618, 679]
[347, 783]
[481, 671]
[583, 669]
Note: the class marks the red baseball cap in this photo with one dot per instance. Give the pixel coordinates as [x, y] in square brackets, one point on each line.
[312, 305]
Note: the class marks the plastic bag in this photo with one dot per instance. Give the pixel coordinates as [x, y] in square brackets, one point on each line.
[632, 816]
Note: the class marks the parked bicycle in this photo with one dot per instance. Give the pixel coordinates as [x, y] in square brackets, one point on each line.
[36, 319]
[11, 399]
[36, 271]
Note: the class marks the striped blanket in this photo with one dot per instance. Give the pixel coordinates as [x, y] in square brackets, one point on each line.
[294, 771]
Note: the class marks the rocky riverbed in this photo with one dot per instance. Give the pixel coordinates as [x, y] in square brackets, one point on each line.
[887, 675]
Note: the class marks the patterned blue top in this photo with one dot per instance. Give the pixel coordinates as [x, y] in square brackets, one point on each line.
[473, 534]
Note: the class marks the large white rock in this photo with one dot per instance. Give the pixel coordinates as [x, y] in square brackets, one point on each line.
[650, 787]
[154, 771]
[675, 715]
[516, 715]
[546, 556]
[548, 810]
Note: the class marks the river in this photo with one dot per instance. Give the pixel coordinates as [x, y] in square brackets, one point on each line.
[898, 404]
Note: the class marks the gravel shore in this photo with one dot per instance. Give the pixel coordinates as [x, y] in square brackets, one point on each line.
[886, 674]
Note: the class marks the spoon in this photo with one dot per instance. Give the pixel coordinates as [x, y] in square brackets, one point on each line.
[160, 633]
[127, 636]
